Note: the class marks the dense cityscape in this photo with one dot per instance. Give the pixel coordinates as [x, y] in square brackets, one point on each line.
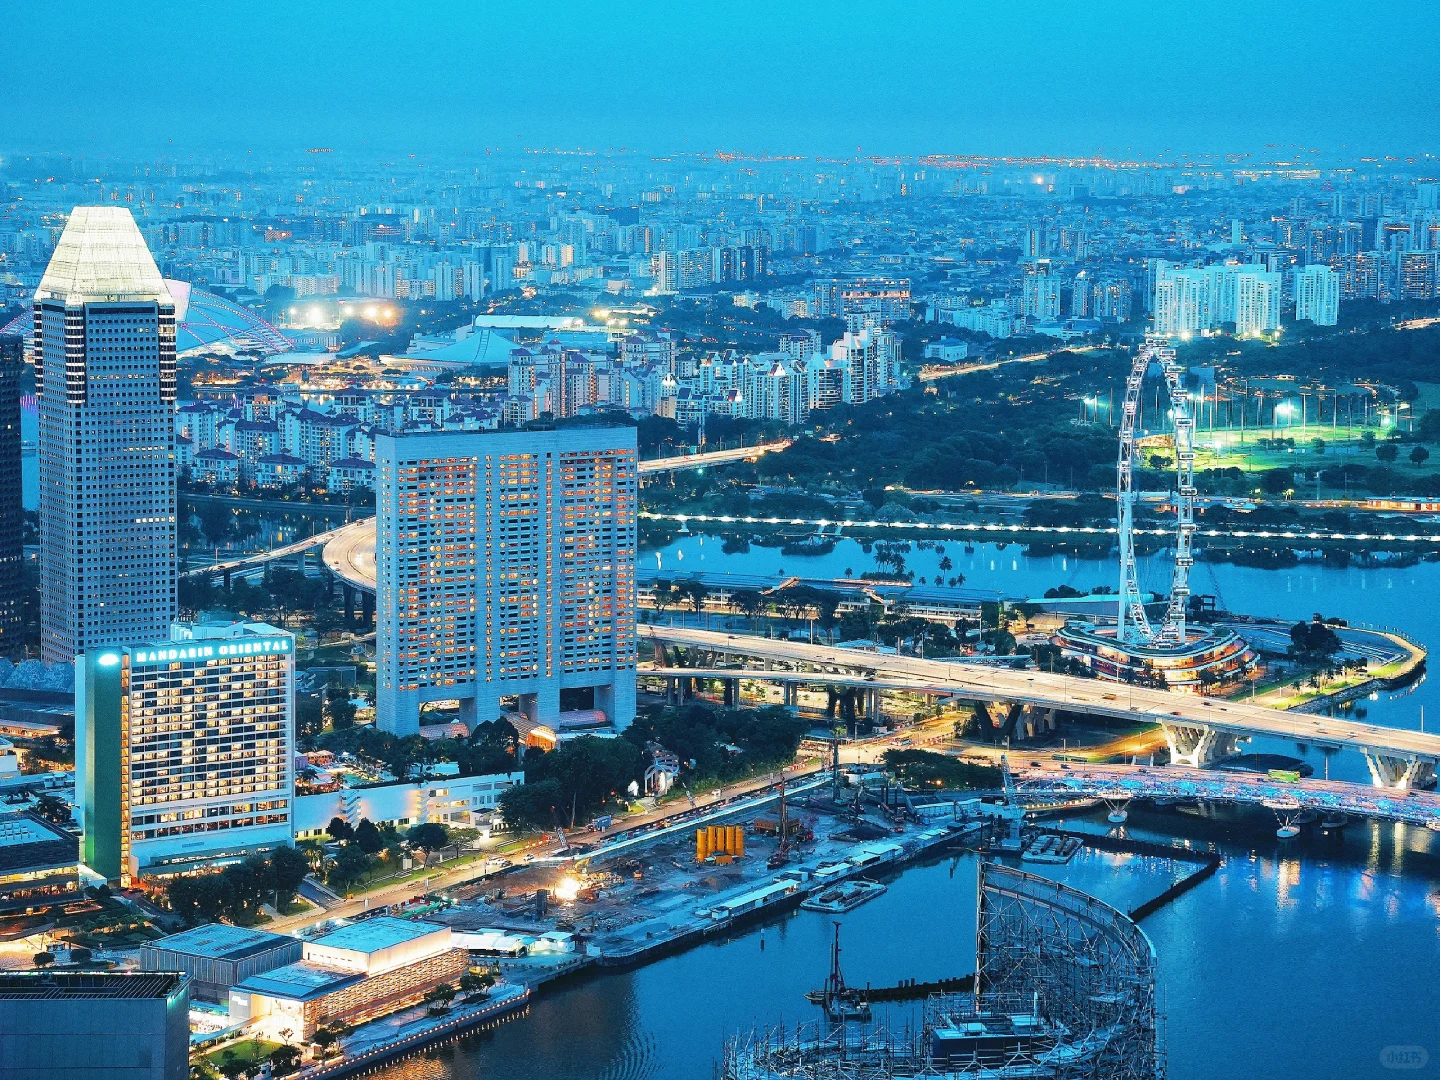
[473, 609]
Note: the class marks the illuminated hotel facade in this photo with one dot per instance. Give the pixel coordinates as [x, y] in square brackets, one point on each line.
[184, 750]
[505, 566]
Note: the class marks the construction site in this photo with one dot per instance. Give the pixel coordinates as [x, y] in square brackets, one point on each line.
[631, 899]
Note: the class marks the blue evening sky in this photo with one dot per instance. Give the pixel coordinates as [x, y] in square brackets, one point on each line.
[965, 76]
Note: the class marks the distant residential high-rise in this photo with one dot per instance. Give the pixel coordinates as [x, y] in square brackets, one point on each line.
[12, 510]
[105, 361]
[1257, 301]
[505, 567]
[1317, 295]
[1040, 295]
[184, 749]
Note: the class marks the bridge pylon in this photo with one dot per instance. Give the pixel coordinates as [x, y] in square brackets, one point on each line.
[1399, 772]
[1198, 746]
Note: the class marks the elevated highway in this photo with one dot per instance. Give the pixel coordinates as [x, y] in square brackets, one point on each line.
[1199, 731]
[350, 550]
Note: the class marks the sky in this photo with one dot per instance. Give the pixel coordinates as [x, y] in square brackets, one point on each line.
[758, 76]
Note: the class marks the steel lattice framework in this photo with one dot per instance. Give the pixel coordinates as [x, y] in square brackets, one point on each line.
[1040, 946]
[1134, 624]
[1091, 965]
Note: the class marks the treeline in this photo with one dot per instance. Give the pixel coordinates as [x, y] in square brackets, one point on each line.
[584, 777]
[235, 894]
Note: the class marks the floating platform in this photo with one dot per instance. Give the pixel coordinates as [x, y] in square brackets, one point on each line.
[1050, 848]
[844, 897]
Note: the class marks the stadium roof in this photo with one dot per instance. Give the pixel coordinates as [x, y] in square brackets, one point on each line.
[207, 322]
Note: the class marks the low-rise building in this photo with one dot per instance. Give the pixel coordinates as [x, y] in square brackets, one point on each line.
[217, 956]
[39, 865]
[450, 800]
[351, 975]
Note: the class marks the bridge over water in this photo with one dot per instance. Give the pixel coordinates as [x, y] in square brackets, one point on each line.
[1200, 731]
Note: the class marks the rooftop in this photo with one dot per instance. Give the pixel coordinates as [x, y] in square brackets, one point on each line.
[301, 981]
[29, 842]
[89, 984]
[372, 935]
[222, 942]
[102, 256]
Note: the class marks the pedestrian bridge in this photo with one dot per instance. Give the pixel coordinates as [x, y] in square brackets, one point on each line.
[1200, 731]
[1115, 783]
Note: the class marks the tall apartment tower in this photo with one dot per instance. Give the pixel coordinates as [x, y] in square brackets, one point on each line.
[105, 362]
[505, 566]
[12, 510]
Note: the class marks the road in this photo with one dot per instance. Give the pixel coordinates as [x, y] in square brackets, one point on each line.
[1049, 690]
[718, 803]
[241, 562]
[350, 549]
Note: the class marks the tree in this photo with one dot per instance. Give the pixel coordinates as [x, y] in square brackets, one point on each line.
[53, 809]
[696, 592]
[664, 595]
[284, 1060]
[1386, 452]
[748, 602]
[368, 837]
[43, 959]
[428, 836]
[288, 868]
[1419, 455]
[339, 706]
[339, 829]
[1318, 445]
[324, 1039]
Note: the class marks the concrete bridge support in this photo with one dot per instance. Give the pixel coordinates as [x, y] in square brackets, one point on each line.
[792, 694]
[367, 609]
[1399, 773]
[1197, 746]
[730, 691]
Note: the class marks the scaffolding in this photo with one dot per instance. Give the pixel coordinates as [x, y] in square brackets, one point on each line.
[1065, 990]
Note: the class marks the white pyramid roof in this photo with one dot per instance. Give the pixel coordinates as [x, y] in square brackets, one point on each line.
[102, 256]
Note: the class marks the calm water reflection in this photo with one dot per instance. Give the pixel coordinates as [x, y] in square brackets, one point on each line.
[1259, 965]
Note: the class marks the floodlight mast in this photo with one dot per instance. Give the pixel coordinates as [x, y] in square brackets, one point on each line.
[1134, 625]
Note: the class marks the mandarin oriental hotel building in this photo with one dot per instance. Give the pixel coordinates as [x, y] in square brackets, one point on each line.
[184, 749]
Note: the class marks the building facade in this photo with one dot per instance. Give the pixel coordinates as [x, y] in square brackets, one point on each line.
[1317, 295]
[122, 1025]
[184, 750]
[12, 511]
[105, 358]
[506, 570]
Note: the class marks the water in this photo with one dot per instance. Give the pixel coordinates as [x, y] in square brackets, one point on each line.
[1304, 961]
[1401, 597]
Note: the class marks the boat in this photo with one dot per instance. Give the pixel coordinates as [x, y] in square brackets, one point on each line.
[841, 1003]
[1433, 825]
[844, 897]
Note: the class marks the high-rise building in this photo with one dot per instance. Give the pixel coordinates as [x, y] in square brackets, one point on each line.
[105, 360]
[62, 1025]
[12, 510]
[506, 573]
[1257, 300]
[1040, 293]
[1317, 295]
[184, 749]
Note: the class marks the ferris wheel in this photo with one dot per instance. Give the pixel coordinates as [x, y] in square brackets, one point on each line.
[1134, 625]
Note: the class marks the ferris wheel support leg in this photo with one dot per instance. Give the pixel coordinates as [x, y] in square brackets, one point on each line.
[1198, 746]
[1399, 773]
